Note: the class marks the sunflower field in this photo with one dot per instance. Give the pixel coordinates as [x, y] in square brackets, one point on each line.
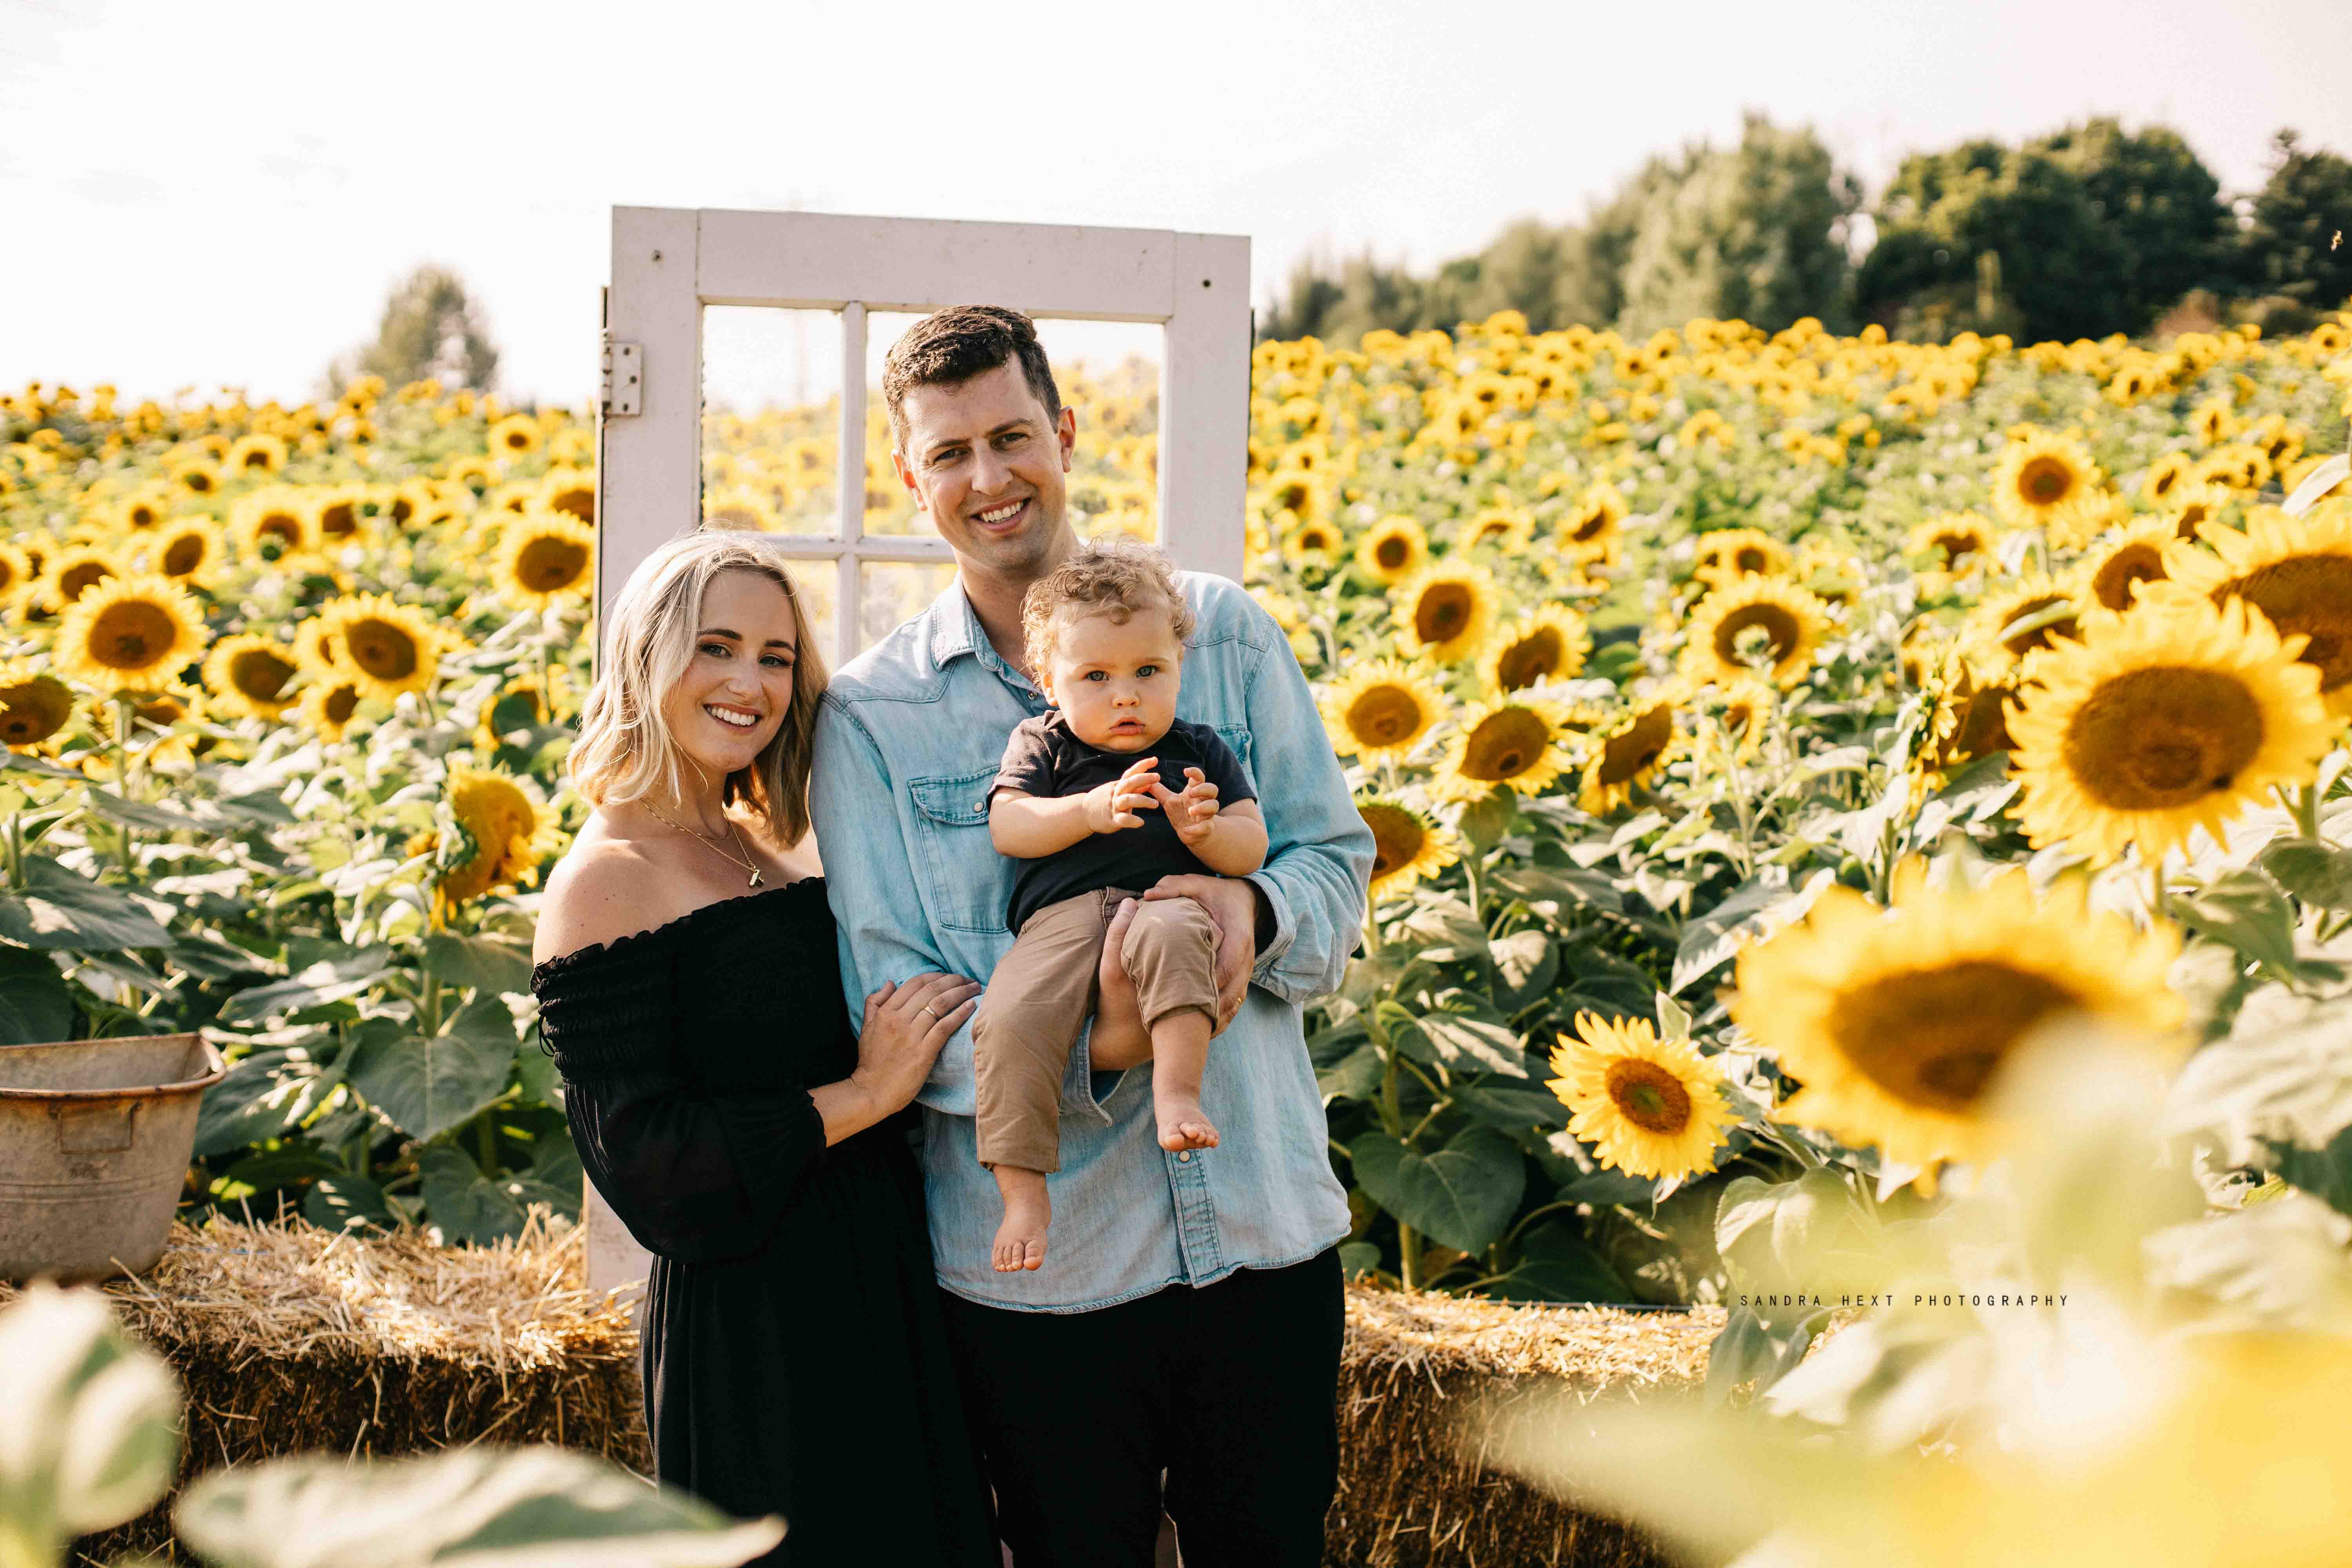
[1766, 736]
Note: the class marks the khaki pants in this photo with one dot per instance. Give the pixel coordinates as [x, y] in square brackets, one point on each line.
[1045, 988]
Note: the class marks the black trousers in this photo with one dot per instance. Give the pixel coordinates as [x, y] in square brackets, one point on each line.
[1230, 1389]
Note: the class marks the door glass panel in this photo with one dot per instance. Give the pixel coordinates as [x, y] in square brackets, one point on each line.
[1108, 371]
[817, 584]
[890, 591]
[770, 418]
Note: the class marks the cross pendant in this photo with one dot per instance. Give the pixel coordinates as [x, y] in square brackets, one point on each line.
[755, 876]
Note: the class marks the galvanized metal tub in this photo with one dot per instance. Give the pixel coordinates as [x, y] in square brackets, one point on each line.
[95, 1137]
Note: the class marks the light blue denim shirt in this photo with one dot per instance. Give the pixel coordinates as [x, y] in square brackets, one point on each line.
[907, 745]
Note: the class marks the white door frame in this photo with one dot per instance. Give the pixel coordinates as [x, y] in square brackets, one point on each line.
[670, 262]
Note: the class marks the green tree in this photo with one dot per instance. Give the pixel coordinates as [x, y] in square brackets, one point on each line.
[2294, 243]
[431, 327]
[2158, 200]
[1757, 231]
[1992, 239]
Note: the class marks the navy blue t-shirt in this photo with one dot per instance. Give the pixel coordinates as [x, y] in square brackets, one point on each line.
[1045, 760]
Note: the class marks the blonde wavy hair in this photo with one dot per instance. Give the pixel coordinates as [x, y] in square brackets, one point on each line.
[625, 751]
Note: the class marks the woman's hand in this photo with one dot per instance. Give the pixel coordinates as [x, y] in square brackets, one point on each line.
[1119, 1040]
[906, 1025]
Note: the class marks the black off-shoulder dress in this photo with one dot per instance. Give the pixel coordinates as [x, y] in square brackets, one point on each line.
[796, 1356]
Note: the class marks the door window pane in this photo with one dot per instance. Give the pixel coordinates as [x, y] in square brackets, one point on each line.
[770, 418]
[889, 592]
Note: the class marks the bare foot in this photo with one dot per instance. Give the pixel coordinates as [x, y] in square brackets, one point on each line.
[1181, 1123]
[1028, 1215]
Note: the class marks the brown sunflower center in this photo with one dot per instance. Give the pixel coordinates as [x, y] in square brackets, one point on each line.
[1533, 658]
[341, 703]
[2164, 483]
[2120, 575]
[339, 518]
[260, 674]
[2191, 515]
[1983, 727]
[1935, 1037]
[183, 556]
[1384, 716]
[2312, 594]
[1776, 624]
[144, 516]
[2154, 739]
[1392, 552]
[2022, 643]
[384, 650]
[1397, 838]
[1648, 1096]
[198, 480]
[1504, 745]
[1442, 612]
[1624, 756]
[33, 711]
[82, 577]
[517, 440]
[1750, 558]
[285, 529]
[1956, 545]
[545, 564]
[132, 636]
[8, 574]
[1588, 526]
[580, 501]
[255, 459]
[2045, 481]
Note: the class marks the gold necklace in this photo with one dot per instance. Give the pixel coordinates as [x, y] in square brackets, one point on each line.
[746, 863]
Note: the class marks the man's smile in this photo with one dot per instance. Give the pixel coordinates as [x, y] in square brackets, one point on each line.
[1003, 517]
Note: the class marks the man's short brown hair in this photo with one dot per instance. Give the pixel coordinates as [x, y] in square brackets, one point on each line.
[1118, 578]
[954, 346]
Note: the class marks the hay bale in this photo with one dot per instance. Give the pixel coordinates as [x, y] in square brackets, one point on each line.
[1413, 1494]
[289, 1339]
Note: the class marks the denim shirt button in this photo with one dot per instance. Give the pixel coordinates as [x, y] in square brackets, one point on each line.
[1185, 1158]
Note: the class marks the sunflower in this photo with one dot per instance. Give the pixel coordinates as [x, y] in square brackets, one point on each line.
[2166, 476]
[2212, 421]
[161, 711]
[2038, 474]
[34, 707]
[516, 435]
[196, 474]
[2114, 572]
[249, 673]
[1444, 613]
[257, 454]
[1897, 1022]
[1952, 537]
[129, 633]
[1648, 1107]
[1392, 550]
[1314, 542]
[1381, 709]
[1627, 751]
[1289, 490]
[1743, 707]
[2031, 614]
[1406, 844]
[2298, 573]
[2195, 505]
[1592, 529]
[1725, 555]
[2091, 512]
[339, 515]
[502, 831]
[476, 474]
[391, 648]
[1519, 741]
[545, 555]
[1783, 623]
[570, 489]
[1968, 717]
[2172, 718]
[145, 509]
[1551, 644]
[741, 507]
[330, 705]
[1508, 528]
[189, 550]
[315, 648]
[17, 575]
[274, 523]
[73, 572]
[2239, 465]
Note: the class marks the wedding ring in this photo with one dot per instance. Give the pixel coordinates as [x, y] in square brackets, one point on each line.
[926, 1010]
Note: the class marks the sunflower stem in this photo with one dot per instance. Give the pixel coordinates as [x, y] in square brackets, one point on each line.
[2306, 810]
[122, 777]
[1408, 1256]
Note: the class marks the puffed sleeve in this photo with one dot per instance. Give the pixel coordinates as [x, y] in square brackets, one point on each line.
[696, 1178]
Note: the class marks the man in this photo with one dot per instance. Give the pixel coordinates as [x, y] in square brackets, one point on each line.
[1188, 1320]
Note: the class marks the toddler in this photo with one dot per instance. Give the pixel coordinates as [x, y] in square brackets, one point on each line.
[1088, 796]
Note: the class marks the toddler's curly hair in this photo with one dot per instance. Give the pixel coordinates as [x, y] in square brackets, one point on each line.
[1118, 578]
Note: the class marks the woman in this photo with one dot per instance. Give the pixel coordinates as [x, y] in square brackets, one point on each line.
[689, 991]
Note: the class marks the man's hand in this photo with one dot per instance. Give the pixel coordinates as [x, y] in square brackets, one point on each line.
[1193, 811]
[1112, 807]
[1232, 903]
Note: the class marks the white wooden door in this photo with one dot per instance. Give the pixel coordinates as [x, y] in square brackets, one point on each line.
[670, 263]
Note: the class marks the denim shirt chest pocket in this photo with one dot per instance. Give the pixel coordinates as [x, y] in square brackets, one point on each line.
[1237, 736]
[966, 882]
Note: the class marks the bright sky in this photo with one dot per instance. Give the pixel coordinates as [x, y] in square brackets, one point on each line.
[223, 193]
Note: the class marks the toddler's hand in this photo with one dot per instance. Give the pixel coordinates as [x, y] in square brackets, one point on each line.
[1112, 807]
[1192, 811]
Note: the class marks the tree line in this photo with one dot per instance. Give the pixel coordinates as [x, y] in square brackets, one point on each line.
[2090, 230]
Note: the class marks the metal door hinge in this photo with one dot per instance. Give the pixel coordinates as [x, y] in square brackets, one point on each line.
[624, 369]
